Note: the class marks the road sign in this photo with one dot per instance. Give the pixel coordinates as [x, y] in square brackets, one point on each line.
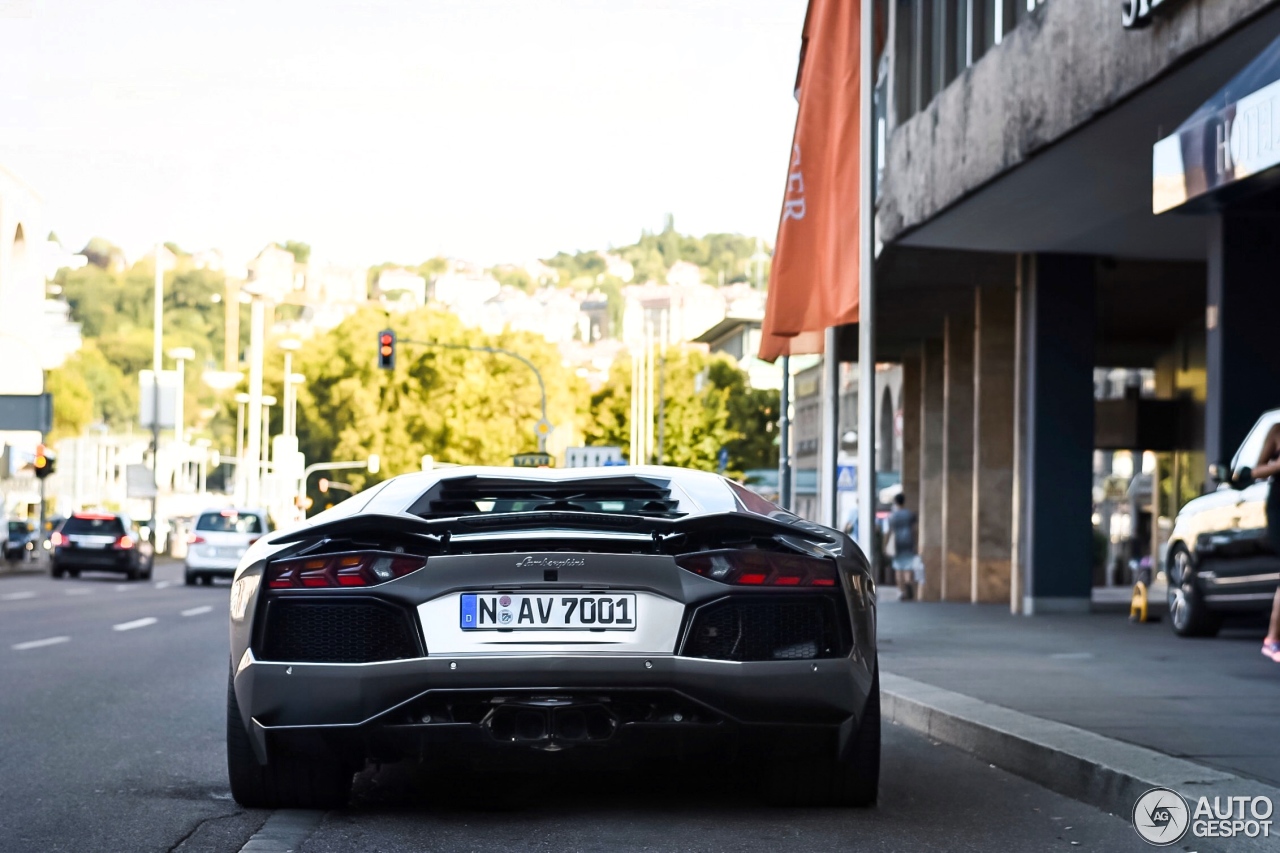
[846, 478]
[591, 457]
[532, 460]
[24, 412]
[139, 482]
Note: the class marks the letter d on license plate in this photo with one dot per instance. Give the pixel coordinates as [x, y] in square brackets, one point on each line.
[507, 611]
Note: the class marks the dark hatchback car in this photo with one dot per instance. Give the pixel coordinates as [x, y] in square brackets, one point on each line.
[22, 540]
[105, 542]
[1221, 560]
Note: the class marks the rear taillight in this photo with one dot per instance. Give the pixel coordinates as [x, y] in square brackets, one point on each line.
[760, 568]
[55, 539]
[193, 539]
[362, 568]
[124, 543]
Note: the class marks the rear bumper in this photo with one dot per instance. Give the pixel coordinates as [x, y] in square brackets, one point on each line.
[86, 558]
[349, 706]
[211, 565]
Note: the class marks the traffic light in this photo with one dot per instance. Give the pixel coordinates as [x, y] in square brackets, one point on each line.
[45, 461]
[387, 349]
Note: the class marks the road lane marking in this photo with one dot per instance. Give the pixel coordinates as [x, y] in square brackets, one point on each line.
[36, 644]
[163, 584]
[136, 623]
[196, 611]
[123, 587]
[79, 591]
[17, 596]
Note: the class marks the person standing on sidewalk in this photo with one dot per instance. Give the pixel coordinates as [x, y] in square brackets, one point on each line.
[1269, 467]
[906, 562]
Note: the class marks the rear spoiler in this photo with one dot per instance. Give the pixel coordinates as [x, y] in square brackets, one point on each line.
[374, 524]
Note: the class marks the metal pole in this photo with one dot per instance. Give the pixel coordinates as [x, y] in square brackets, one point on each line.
[648, 390]
[157, 341]
[635, 409]
[288, 388]
[866, 296]
[253, 429]
[179, 413]
[239, 451]
[40, 529]
[662, 381]
[827, 457]
[784, 437]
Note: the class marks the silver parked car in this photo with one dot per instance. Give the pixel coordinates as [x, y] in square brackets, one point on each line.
[220, 538]
[474, 616]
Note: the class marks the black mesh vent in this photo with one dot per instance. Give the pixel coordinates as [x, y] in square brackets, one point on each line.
[771, 629]
[336, 632]
[462, 496]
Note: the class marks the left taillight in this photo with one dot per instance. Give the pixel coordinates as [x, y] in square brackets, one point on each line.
[124, 543]
[760, 568]
[350, 569]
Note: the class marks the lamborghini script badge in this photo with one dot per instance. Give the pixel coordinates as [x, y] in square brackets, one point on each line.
[552, 562]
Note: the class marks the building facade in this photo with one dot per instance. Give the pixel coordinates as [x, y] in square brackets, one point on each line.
[1021, 256]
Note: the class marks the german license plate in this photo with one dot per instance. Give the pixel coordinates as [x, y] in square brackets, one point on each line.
[509, 611]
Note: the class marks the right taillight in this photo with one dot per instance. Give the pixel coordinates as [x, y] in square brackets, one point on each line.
[760, 568]
[55, 539]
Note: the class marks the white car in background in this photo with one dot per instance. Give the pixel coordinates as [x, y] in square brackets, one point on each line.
[219, 540]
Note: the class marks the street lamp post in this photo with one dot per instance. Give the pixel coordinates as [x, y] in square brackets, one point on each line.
[254, 450]
[267, 402]
[241, 400]
[157, 347]
[290, 346]
[181, 355]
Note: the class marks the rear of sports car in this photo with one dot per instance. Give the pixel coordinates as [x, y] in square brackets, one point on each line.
[485, 617]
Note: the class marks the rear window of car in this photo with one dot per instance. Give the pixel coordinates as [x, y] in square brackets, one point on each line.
[20, 528]
[229, 522]
[94, 525]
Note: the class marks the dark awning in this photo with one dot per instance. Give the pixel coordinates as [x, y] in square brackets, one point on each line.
[1234, 135]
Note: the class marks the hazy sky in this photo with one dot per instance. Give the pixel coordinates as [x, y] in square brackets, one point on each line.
[484, 129]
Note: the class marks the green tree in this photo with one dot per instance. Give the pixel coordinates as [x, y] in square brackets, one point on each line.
[456, 405]
[709, 406]
[301, 251]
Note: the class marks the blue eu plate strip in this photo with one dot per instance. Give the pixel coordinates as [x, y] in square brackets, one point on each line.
[469, 611]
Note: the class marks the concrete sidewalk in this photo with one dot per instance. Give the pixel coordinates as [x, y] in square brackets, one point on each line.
[1213, 702]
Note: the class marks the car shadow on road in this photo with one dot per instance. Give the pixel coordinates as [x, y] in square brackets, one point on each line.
[410, 786]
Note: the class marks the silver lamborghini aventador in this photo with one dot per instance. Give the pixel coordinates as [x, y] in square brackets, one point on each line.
[482, 616]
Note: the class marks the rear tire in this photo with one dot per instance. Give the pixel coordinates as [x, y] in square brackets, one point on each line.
[132, 573]
[188, 578]
[56, 571]
[852, 779]
[285, 782]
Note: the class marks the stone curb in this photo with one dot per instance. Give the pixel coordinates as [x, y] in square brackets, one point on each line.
[1085, 766]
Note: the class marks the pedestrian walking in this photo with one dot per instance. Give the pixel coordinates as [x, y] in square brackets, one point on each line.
[907, 565]
[1269, 467]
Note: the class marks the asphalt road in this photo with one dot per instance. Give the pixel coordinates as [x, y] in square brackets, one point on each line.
[111, 739]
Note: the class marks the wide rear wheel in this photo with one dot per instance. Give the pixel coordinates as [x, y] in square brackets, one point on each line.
[285, 782]
[849, 779]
